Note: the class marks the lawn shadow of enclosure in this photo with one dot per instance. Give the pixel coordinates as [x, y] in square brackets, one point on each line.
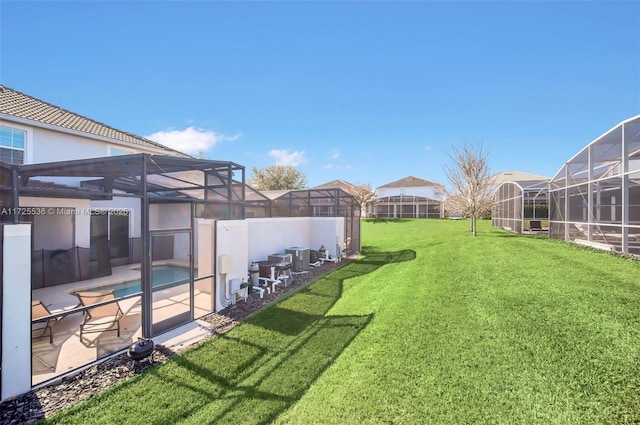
[269, 383]
[258, 370]
[386, 220]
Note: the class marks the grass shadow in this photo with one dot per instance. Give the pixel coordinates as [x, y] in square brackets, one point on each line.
[386, 220]
[254, 372]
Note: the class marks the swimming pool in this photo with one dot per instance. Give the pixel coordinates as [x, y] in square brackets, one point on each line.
[161, 275]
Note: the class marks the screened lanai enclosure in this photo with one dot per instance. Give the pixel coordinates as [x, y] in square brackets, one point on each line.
[407, 206]
[310, 203]
[132, 246]
[521, 206]
[129, 234]
[595, 196]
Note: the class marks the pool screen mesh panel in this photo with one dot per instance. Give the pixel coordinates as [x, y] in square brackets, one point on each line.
[517, 203]
[407, 206]
[329, 202]
[161, 178]
[595, 196]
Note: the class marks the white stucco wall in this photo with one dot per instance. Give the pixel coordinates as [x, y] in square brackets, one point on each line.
[50, 146]
[256, 238]
[232, 240]
[16, 310]
[327, 232]
[274, 235]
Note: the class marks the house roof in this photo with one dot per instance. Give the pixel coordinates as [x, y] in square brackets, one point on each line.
[410, 181]
[517, 176]
[274, 194]
[336, 184]
[16, 104]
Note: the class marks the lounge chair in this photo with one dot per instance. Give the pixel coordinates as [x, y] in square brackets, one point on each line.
[101, 318]
[40, 329]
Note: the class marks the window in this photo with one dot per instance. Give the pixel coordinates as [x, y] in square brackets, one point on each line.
[116, 151]
[12, 143]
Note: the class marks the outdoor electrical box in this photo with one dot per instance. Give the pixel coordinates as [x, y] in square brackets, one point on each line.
[224, 264]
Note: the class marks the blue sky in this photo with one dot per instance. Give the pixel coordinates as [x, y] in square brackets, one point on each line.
[360, 91]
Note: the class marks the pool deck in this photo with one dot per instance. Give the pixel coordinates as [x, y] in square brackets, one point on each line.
[68, 351]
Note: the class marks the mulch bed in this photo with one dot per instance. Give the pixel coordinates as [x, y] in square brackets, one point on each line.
[30, 407]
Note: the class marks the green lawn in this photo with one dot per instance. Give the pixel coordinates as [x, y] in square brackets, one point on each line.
[430, 325]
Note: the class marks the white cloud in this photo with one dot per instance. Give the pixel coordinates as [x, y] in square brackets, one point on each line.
[335, 154]
[328, 166]
[191, 140]
[428, 148]
[285, 157]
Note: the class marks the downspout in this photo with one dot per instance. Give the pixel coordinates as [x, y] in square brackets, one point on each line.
[222, 297]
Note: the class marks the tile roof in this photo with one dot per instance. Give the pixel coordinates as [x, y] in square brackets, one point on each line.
[42, 185]
[274, 194]
[336, 184]
[410, 181]
[17, 104]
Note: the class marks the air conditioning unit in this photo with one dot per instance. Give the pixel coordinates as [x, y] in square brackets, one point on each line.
[280, 258]
[300, 258]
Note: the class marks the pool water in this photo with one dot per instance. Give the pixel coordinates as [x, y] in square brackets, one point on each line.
[161, 276]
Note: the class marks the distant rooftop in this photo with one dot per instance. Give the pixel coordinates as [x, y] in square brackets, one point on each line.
[410, 181]
[274, 194]
[336, 184]
[518, 176]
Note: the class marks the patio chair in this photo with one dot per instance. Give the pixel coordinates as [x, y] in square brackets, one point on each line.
[535, 225]
[44, 328]
[101, 318]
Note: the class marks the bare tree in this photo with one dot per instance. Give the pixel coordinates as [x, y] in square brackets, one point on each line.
[277, 177]
[471, 192]
[363, 193]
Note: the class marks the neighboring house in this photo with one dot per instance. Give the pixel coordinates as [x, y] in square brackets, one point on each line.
[341, 185]
[410, 197]
[336, 184]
